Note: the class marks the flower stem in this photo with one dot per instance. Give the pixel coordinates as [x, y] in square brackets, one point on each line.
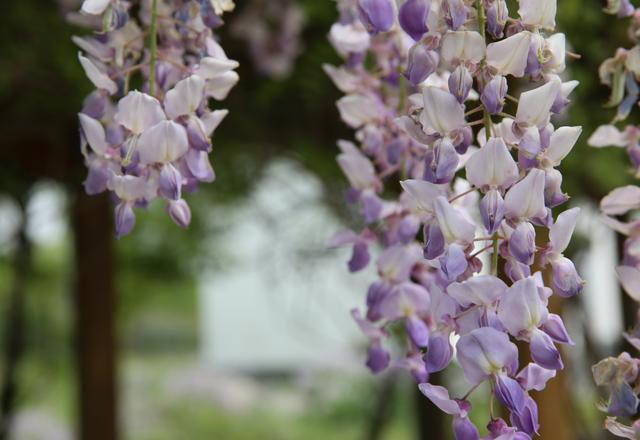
[153, 47]
[482, 21]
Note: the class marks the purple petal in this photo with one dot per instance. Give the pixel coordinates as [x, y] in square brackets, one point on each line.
[417, 331]
[460, 83]
[179, 212]
[535, 377]
[544, 352]
[376, 15]
[422, 63]
[522, 243]
[378, 358]
[509, 393]
[492, 211]
[360, 257]
[413, 16]
[463, 429]
[125, 219]
[439, 354]
[555, 328]
[440, 398]
[170, 182]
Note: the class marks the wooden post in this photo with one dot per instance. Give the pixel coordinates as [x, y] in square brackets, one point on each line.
[95, 304]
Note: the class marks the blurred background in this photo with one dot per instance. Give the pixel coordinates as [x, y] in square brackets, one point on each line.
[239, 328]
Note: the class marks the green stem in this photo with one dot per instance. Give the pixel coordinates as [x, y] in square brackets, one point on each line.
[482, 21]
[153, 46]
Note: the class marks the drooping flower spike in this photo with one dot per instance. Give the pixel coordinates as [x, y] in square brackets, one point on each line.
[151, 143]
[621, 374]
[428, 94]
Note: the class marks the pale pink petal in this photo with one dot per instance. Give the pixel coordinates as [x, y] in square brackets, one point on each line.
[96, 76]
[509, 56]
[621, 200]
[162, 143]
[185, 97]
[139, 111]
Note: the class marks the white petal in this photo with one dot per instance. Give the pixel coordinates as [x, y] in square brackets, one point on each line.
[630, 279]
[540, 13]
[632, 62]
[358, 169]
[162, 143]
[453, 223]
[607, 136]
[94, 133]
[562, 230]
[480, 290]
[211, 120]
[562, 142]
[525, 200]
[423, 192]
[97, 77]
[185, 97]
[139, 111]
[442, 112]
[94, 7]
[462, 46]
[556, 45]
[534, 105]
[358, 110]
[509, 56]
[127, 188]
[220, 86]
[210, 67]
[349, 38]
[344, 80]
[621, 200]
[521, 308]
[492, 166]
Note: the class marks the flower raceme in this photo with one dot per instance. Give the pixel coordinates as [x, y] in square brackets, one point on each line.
[152, 143]
[426, 87]
[621, 374]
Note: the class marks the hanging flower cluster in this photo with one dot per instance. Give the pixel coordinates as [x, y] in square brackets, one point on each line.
[272, 30]
[153, 142]
[621, 375]
[418, 77]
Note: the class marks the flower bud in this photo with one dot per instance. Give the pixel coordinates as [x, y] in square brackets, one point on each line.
[433, 241]
[197, 135]
[566, 281]
[460, 83]
[497, 14]
[422, 63]
[125, 219]
[522, 243]
[179, 212]
[413, 17]
[439, 354]
[527, 419]
[464, 429]
[455, 13]
[170, 182]
[377, 15]
[377, 358]
[454, 262]
[408, 228]
[494, 94]
[441, 162]
[492, 211]
[360, 256]
[417, 331]
[509, 393]
[555, 328]
[375, 296]
[371, 206]
[544, 352]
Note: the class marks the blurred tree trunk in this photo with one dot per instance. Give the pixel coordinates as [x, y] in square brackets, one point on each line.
[14, 324]
[383, 406]
[95, 317]
[431, 420]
